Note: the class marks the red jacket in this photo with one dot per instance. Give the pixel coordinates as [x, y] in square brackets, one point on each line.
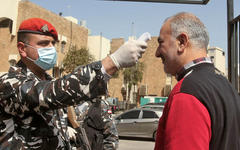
[185, 123]
[201, 113]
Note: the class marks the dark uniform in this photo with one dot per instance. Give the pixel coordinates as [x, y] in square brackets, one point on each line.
[27, 104]
[108, 132]
[110, 140]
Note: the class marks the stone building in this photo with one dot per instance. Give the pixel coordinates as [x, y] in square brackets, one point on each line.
[70, 33]
[155, 80]
[98, 46]
[115, 84]
[217, 56]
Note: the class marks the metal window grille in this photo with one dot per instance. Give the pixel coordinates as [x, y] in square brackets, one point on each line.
[233, 52]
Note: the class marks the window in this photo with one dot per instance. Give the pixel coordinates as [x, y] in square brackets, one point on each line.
[131, 115]
[63, 43]
[12, 59]
[12, 62]
[6, 23]
[149, 114]
[169, 75]
[212, 58]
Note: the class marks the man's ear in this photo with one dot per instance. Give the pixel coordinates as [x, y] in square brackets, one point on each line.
[182, 41]
[21, 49]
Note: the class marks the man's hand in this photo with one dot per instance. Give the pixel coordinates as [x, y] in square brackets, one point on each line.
[129, 53]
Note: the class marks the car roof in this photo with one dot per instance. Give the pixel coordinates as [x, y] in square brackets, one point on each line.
[141, 108]
[158, 111]
[153, 106]
[160, 103]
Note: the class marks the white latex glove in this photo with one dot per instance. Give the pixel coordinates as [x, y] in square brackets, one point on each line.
[71, 133]
[129, 53]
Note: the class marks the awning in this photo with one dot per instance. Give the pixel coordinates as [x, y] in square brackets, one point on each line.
[169, 1]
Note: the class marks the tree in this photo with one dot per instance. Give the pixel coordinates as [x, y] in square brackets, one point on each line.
[76, 57]
[132, 76]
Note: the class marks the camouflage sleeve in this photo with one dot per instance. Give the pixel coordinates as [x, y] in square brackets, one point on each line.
[110, 140]
[23, 93]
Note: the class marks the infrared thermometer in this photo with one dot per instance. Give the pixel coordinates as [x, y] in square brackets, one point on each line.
[145, 37]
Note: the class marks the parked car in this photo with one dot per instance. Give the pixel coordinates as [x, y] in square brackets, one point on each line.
[159, 106]
[138, 122]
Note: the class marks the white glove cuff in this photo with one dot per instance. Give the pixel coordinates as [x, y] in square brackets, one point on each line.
[105, 74]
[115, 61]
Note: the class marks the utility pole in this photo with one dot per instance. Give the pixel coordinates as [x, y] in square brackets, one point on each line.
[231, 53]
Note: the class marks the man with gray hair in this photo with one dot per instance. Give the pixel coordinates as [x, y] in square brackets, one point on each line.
[202, 110]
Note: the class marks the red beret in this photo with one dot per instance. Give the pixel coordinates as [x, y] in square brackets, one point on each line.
[38, 26]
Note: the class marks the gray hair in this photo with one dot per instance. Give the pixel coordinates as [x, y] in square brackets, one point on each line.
[191, 25]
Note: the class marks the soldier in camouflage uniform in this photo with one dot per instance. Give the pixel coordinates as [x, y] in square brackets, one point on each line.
[29, 96]
[95, 122]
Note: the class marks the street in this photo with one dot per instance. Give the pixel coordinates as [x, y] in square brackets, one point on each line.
[135, 144]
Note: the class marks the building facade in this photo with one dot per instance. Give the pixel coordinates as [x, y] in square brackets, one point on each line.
[70, 33]
[98, 46]
[217, 56]
[115, 84]
[155, 81]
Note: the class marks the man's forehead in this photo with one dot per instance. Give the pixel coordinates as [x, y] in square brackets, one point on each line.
[165, 26]
[165, 30]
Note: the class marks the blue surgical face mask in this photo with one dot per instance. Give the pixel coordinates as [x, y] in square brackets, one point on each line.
[47, 57]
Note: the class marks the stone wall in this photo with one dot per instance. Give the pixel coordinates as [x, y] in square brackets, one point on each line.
[115, 84]
[74, 34]
[7, 44]
[154, 76]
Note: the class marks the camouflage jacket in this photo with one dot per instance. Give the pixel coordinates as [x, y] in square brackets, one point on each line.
[27, 104]
[110, 134]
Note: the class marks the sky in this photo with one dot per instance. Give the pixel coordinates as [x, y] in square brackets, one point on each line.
[114, 19]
